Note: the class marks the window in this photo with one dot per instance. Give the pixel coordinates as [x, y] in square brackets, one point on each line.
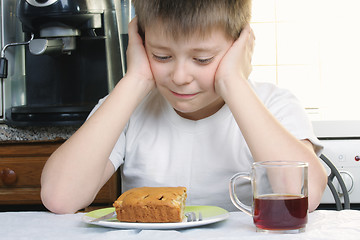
[311, 47]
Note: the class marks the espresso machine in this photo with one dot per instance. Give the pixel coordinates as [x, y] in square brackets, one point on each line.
[67, 55]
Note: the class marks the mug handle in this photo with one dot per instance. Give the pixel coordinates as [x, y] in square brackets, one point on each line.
[235, 200]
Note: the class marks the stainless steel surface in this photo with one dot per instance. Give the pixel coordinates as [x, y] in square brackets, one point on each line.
[1, 101]
[102, 19]
[113, 48]
[191, 217]
[125, 10]
[1, 46]
[10, 33]
[45, 4]
[43, 46]
[59, 32]
[14, 85]
[3, 49]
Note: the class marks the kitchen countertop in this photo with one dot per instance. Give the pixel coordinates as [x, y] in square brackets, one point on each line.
[33, 134]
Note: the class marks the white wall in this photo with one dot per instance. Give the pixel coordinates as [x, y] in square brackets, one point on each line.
[311, 47]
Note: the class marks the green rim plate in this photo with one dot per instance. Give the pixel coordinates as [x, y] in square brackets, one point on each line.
[210, 214]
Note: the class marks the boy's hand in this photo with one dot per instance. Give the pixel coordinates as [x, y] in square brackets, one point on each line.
[138, 64]
[235, 66]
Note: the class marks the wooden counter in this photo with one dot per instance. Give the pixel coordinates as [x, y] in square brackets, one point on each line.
[21, 164]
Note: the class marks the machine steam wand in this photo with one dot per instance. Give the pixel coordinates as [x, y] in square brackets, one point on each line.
[4, 61]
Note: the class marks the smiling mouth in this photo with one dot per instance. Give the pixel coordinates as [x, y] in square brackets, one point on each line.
[183, 95]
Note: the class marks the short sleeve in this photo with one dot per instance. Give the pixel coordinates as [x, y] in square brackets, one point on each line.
[117, 154]
[288, 110]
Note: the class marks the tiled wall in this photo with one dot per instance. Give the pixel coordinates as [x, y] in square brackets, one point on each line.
[311, 47]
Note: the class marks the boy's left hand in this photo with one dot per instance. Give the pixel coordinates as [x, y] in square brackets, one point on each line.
[236, 65]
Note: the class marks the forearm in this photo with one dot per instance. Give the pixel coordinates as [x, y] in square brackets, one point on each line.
[268, 140]
[75, 172]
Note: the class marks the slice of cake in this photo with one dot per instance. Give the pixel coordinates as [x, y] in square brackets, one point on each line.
[151, 205]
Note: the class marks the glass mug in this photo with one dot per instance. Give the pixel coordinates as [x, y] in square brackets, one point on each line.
[280, 196]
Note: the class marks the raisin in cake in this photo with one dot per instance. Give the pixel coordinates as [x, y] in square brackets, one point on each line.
[151, 204]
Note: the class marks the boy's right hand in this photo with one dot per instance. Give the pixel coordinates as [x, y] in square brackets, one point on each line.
[138, 65]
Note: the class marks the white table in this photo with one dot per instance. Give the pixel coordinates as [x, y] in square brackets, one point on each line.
[323, 224]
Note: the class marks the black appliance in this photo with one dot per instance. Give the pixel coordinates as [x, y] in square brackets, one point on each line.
[72, 58]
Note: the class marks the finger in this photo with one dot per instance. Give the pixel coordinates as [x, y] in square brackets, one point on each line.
[245, 37]
[250, 44]
[251, 32]
[245, 32]
[252, 38]
[133, 25]
[133, 31]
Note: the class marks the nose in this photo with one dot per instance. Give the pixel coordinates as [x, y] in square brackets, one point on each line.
[181, 74]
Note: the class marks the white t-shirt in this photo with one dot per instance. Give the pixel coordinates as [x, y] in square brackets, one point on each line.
[160, 148]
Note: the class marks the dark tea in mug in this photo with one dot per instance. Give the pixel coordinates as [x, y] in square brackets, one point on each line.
[280, 212]
[280, 194]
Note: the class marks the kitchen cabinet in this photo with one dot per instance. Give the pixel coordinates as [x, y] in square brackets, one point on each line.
[21, 165]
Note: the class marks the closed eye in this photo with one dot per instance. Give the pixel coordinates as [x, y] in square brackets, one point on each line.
[161, 58]
[204, 60]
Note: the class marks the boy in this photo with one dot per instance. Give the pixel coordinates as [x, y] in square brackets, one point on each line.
[185, 113]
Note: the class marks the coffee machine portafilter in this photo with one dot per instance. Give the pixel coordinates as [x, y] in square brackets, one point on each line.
[73, 58]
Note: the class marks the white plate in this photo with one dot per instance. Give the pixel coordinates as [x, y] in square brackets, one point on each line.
[210, 214]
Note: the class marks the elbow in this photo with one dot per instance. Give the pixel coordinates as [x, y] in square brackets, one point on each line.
[316, 193]
[58, 196]
[56, 202]
[314, 202]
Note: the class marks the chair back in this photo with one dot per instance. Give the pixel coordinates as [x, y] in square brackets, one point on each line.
[335, 173]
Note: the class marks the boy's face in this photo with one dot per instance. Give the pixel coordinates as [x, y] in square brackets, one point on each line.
[184, 70]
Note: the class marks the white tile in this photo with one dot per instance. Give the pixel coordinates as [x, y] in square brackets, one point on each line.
[264, 74]
[303, 81]
[296, 10]
[263, 11]
[317, 45]
[265, 44]
[297, 44]
[314, 114]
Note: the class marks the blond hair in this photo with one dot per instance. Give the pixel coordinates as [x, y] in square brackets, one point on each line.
[180, 18]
